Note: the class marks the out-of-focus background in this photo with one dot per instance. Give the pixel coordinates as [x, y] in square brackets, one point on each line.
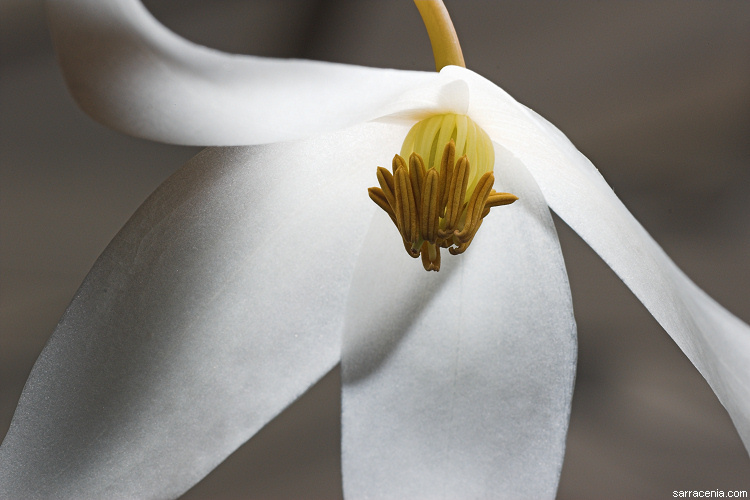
[656, 93]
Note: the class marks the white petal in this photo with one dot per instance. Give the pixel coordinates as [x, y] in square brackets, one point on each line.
[458, 384]
[715, 341]
[132, 74]
[219, 303]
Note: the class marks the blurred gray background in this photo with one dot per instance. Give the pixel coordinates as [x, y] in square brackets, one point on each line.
[656, 93]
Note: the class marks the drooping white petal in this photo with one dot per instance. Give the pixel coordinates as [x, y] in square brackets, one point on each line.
[458, 384]
[715, 341]
[219, 303]
[130, 73]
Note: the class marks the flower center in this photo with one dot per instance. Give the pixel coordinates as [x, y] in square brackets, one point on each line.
[435, 200]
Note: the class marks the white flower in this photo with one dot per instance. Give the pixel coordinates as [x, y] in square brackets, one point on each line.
[254, 270]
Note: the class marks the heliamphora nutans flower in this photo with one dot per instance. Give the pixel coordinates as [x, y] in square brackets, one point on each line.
[201, 322]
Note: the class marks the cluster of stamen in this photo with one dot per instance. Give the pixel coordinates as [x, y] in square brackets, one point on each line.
[429, 207]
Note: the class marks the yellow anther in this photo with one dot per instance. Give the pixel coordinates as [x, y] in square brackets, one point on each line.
[461, 248]
[429, 217]
[475, 208]
[377, 195]
[446, 168]
[385, 179]
[406, 208]
[456, 193]
[397, 162]
[416, 173]
[436, 200]
[498, 199]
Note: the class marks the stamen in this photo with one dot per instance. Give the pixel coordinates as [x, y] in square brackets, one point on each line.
[406, 209]
[456, 193]
[497, 199]
[385, 179]
[417, 173]
[475, 207]
[446, 171]
[429, 216]
[377, 195]
[434, 200]
[397, 162]
[458, 250]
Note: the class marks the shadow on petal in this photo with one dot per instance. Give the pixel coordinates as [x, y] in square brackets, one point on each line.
[389, 292]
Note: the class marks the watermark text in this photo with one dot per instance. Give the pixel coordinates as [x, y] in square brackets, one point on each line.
[708, 494]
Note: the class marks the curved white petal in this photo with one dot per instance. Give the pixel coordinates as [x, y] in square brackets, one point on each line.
[219, 303]
[715, 341]
[458, 384]
[130, 73]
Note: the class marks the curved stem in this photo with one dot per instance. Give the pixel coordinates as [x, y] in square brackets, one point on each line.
[445, 46]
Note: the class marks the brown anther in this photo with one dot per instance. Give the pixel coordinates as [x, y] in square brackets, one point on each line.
[398, 162]
[461, 247]
[475, 207]
[385, 179]
[430, 257]
[456, 194]
[378, 196]
[416, 174]
[429, 217]
[419, 201]
[406, 208]
[497, 199]
[446, 172]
